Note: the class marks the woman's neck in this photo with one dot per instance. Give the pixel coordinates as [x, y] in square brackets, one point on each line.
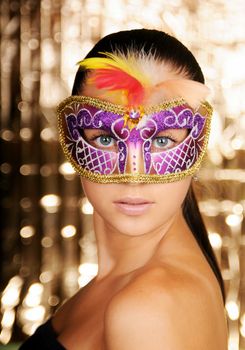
[120, 254]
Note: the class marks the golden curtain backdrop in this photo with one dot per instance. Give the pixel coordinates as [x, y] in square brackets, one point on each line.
[47, 244]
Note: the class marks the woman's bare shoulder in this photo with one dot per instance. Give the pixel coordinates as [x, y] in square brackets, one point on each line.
[159, 309]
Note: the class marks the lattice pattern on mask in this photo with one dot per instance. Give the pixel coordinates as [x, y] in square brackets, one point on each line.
[178, 159]
[95, 160]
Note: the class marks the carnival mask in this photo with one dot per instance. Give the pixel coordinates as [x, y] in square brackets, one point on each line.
[109, 143]
[128, 141]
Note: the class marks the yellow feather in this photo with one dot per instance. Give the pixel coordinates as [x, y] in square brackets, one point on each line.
[126, 64]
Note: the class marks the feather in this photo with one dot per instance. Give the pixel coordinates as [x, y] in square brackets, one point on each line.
[114, 73]
[126, 64]
[115, 79]
[191, 91]
[141, 79]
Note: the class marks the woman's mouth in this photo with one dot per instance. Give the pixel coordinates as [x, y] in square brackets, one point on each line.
[133, 206]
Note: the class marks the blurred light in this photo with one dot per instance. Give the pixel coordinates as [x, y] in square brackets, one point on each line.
[73, 31]
[50, 203]
[210, 207]
[11, 294]
[86, 207]
[31, 311]
[53, 300]
[71, 280]
[27, 231]
[25, 169]
[226, 205]
[243, 319]
[23, 106]
[66, 169]
[216, 132]
[8, 318]
[33, 44]
[51, 90]
[242, 328]
[215, 156]
[46, 276]
[28, 80]
[88, 269]
[237, 209]
[215, 240]
[233, 310]
[58, 37]
[5, 335]
[48, 54]
[46, 170]
[36, 288]
[46, 5]
[242, 331]
[87, 272]
[233, 341]
[10, 298]
[50, 200]
[7, 135]
[68, 231]
[233, 220]
[83, 280]
[29, 328]
[16, 281]
[25, 203]
[24, 271]
[34, 314]
[237, 143]
[26, 134]
[28, 169]
[48, 134]
[47, 242]
[5, 168]
[32, 300]
[230, 175]
[227, 274]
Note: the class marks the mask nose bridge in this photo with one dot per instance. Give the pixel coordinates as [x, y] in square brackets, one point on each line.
[135, 161]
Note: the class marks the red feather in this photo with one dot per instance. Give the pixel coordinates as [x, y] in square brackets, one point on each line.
[115, 79]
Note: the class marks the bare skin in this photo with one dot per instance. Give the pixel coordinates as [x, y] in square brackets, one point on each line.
[169, 275]
[155, 289]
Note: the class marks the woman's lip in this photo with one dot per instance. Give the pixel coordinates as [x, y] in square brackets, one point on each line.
[133, 206]
[133, 201]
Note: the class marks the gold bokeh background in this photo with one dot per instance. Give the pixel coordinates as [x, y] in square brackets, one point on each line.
[47, 241]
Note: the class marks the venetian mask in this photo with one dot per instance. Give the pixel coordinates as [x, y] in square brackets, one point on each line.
[112, 143]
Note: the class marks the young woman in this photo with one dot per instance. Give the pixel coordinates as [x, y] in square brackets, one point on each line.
[136, 129]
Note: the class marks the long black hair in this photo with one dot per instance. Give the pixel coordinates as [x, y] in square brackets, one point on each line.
[170, 50]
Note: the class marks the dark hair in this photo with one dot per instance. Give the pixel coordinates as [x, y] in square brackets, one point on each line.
[170, 50]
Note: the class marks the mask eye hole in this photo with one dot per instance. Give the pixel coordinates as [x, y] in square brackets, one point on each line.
[168, 139]
[100, 139]
[163, 142]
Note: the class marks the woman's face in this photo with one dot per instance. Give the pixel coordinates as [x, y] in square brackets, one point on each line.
[130, 208]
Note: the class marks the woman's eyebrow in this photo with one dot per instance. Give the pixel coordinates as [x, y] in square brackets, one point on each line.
[97, 130]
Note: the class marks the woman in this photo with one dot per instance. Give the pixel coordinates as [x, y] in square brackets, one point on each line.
[136, 129]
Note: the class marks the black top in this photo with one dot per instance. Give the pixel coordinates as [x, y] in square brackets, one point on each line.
[44, 338]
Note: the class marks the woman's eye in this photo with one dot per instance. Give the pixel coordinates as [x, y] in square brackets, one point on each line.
[163, 142]
[104, 141]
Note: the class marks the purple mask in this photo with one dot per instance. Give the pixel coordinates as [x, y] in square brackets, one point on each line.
[109, 143]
